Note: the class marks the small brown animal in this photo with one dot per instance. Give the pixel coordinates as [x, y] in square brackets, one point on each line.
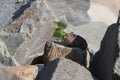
[78, 41]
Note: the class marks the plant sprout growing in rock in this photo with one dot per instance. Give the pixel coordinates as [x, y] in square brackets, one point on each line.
[59, 32]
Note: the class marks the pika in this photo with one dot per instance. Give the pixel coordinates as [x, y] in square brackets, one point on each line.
[78, 41]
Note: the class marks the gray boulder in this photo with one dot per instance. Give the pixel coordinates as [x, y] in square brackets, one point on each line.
[44, 11]
[73, 12]
[92, 32]
[102, 65]
[64, 69]
[30, 25]
[35, 15]
[7, 9]
[34, 47]
[117, 63]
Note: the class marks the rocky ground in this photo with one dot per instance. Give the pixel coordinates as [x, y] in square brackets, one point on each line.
[28, 51]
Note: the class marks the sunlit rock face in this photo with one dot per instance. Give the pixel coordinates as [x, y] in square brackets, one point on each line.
[10, 11]
[73, 12]
[104, 10]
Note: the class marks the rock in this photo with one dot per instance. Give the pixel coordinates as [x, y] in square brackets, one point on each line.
[27, 26]
[41, 12]
[31, 25]
[5, 57]
[11, 11]
[7, 9]
[7, 75]
[13, 41]
[74, 12]
[102, 65]
[64, 69]
[31, 18]
[27, 72]
[53, 51]
[117, 63]
[92, 32]
[34, 47]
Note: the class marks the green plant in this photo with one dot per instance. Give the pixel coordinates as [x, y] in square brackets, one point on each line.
[60, 24]
[59, 32]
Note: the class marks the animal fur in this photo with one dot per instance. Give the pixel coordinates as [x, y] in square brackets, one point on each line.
[78, 41]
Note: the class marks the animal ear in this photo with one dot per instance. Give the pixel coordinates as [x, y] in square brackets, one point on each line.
[71, 33]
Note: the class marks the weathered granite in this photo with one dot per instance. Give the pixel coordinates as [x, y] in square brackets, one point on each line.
[64, 69]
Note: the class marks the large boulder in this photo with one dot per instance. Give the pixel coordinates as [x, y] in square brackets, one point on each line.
[92, 32]
[44, 11]
[73, 12]
[34, 47]
[54, 50]
[103, 64]
[31, 32]
[64, 69]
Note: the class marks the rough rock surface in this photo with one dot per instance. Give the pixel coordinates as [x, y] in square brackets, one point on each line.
[61, 66]
[29, 13]
[51, 9]
[35, 46]
[26, 25]
[31, 26]
[5, 57]
[53, 51]
[102, 65]
[11, 10]
[7, 75]
[90, 33]
[117, 63]
[12, 41]
[27, 72]
[32, 17]
[74, 12]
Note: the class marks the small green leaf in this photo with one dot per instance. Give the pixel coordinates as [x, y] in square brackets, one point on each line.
[60, 24]
[59, 32]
